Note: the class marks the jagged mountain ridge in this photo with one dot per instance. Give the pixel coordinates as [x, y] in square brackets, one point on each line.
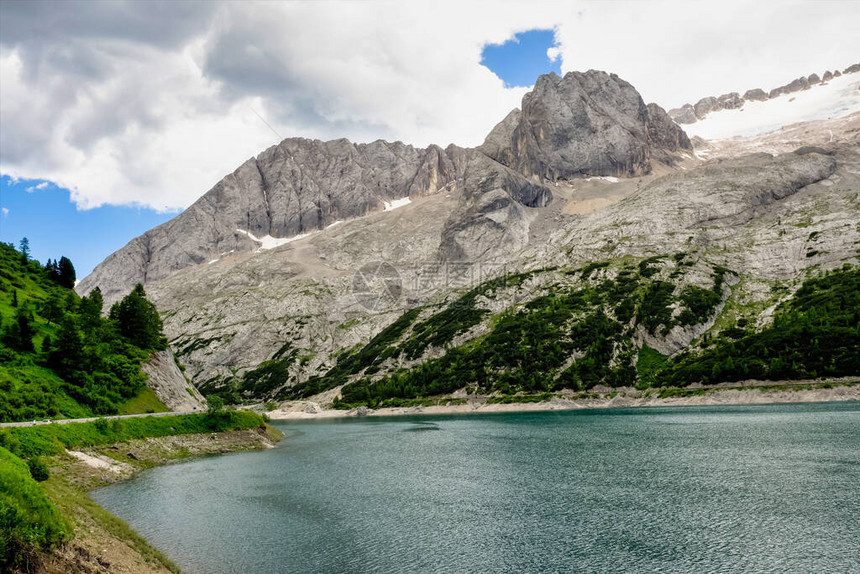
[290, 189]
[300, 186]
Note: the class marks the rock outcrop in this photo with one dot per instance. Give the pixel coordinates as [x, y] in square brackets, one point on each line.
[664, 135]
[750, 213]
[797, 85]
[705, 106]
[755, 95]
[731, 101]
[170, 385]
[491, 218]
[590, 123]
[686, 114]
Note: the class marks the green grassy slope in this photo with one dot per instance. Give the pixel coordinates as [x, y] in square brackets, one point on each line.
[28, 520]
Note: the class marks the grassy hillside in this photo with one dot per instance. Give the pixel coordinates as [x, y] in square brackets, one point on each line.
[28, 520]
[58, 356]
[816, 333]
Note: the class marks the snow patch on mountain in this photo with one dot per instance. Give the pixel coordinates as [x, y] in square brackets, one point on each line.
[395, 203]
[269, 242]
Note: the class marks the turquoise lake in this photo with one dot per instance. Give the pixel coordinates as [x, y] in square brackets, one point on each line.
[771, 488]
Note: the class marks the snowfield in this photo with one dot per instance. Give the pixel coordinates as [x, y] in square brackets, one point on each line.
[834, 99]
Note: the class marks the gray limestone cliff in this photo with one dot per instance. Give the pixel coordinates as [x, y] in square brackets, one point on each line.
[293, 188]
[169, 384]
[490, 219]
[664, 135]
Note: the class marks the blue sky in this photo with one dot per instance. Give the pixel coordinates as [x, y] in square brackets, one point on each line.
[519, 61]
[55, 227]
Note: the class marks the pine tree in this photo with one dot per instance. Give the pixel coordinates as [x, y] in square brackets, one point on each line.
[71, 303]
[91, 308]
[15, 298]
[51, 268]
[25, 322]
[24, 248]
[19, 335]
[66, 273]
[138, 320]
[46, 344]
[51, 310]
[67, 354]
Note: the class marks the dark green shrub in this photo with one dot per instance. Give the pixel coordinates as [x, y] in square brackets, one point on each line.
[654, 311]
[38, 470]
[215, 403]
[699, 304]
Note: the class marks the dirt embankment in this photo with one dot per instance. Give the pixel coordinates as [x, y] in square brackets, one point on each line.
[102, 543]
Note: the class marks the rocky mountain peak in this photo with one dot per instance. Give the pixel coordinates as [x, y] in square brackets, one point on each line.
[590, 123]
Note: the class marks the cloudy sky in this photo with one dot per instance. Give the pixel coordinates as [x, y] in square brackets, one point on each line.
[149, 103]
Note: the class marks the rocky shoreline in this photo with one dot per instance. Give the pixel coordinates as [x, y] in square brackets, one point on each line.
[743, 393]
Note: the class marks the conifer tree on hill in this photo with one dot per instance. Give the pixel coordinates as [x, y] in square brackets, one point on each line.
[138, 320]
[19, 335]
[66, 273]
[24, 248]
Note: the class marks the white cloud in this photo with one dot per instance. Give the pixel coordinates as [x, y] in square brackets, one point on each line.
[37, 187]
[5, 211]
[675, 53]
[153, 111]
